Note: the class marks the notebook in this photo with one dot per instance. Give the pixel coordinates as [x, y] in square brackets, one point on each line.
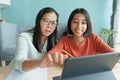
[93, 67]
[36, 74]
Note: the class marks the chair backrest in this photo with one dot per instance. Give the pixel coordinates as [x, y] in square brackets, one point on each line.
[8, 34]
[24, 27]
[61, 29]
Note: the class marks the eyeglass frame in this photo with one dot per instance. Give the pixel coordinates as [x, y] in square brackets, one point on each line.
[48, 21]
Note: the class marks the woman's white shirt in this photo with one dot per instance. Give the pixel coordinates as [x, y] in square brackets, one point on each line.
[25, 50]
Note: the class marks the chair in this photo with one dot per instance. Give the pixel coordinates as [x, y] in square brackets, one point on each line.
[8, 34]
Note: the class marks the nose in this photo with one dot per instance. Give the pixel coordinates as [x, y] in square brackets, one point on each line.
[79, 25]
[50, 24]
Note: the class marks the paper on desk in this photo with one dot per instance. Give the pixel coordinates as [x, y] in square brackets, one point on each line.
[36, 74]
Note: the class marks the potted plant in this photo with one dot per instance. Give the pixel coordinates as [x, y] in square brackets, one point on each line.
[106, 35]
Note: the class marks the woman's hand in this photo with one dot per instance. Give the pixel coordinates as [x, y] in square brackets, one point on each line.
[53, 59]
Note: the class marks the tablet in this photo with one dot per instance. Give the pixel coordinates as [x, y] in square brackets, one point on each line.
[92, 67]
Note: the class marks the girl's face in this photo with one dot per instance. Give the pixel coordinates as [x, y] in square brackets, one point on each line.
[78, 24]
[48, 23]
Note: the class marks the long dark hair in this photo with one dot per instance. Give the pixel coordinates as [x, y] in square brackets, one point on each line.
[37, 30]
[85, 13]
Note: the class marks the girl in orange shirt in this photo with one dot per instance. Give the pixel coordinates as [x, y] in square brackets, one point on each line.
[80, 41]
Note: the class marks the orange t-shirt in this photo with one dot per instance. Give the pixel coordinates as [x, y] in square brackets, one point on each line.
[92, 44]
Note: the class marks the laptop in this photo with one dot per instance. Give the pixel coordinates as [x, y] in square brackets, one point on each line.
[93, 67]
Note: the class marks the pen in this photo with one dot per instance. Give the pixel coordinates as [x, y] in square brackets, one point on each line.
[68, 53]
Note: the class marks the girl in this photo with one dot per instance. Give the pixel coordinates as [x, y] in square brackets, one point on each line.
[80, 41]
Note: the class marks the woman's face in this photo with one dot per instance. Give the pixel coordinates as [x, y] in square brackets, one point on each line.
[78, 24]
[48, 23]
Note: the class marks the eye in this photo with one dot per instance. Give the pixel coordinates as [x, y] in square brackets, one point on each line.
[46, 20]
[54, 23]
[75, 21]
[84, 22]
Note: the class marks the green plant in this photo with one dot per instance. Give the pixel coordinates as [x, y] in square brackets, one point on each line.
[106, 35]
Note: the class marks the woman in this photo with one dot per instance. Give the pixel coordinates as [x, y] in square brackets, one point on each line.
[33, 44]
[81, 41]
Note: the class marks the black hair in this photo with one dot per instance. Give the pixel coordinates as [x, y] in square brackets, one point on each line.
[52, 39]
[86, 14]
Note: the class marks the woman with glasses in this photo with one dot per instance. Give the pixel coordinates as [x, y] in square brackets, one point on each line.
[33, 44]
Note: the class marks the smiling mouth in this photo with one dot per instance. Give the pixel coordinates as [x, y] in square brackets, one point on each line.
[78, 31]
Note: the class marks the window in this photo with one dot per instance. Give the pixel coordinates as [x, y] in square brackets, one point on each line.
[117, 25]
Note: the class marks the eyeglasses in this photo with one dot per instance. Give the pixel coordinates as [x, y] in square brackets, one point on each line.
[48, 21]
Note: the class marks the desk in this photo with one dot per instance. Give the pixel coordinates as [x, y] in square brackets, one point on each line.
[53, 71]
